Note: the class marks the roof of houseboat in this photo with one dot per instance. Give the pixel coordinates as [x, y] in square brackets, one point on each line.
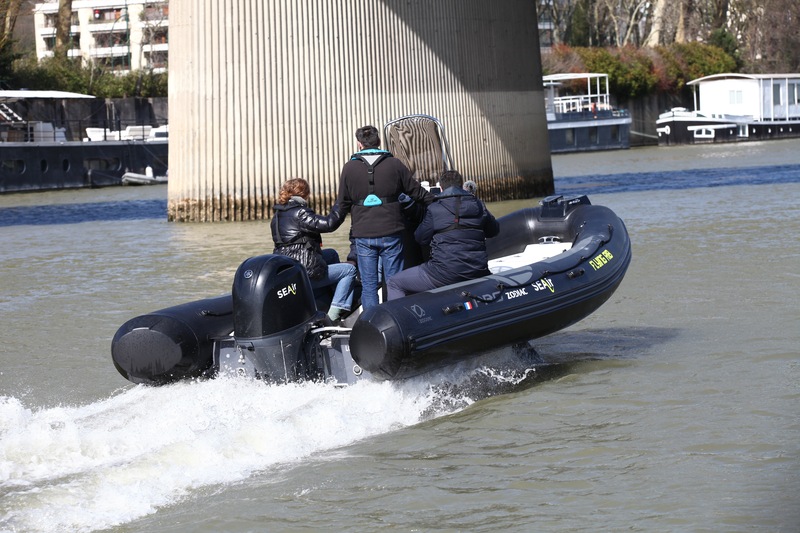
[738, 76]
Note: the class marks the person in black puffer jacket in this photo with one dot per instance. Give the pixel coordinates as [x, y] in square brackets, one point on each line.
[455, 227]
[296, 233]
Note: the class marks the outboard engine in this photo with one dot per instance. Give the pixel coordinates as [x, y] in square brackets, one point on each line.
[273, 311]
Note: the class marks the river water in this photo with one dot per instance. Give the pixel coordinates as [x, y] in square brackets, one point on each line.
[675, 407]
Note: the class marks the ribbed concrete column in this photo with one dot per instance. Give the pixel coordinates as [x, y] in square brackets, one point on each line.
[265, 91]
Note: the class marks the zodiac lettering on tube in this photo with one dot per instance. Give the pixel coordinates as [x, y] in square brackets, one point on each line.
[516, 293]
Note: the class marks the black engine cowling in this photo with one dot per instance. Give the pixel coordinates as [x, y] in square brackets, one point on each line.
[274, 309]
[271, 293]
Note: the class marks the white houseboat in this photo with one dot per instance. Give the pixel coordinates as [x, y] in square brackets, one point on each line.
[735, 107]
[580, 116]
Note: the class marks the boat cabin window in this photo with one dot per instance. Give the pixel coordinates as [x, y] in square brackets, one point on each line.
[569, 136]
[593, 135]
[14, 165]
[614, 133]
[794, 93]
[735, 97]
[776, 94]
[704, 133]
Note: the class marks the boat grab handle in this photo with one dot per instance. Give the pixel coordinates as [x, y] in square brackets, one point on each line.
[331, 329]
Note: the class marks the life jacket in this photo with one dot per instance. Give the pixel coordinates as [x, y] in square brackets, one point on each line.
[371, 157]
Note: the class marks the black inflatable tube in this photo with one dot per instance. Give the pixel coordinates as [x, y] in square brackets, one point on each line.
[172, 344]
[419, 333]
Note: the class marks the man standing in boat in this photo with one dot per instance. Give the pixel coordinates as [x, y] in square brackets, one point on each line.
[370, 189]
[455, 227]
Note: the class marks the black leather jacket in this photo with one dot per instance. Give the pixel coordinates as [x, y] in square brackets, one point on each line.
[296, 233]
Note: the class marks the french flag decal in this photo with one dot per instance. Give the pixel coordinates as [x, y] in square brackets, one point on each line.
[469, 305]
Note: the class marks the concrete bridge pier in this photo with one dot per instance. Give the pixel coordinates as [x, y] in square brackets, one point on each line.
[265, 91]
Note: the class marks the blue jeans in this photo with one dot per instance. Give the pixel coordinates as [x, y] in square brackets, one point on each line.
[343, 275]
[389, 251]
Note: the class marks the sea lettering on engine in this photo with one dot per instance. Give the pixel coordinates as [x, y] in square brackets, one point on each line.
[286, 291]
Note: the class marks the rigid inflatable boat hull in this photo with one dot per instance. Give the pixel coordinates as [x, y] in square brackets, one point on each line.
[413, 335]
[270, 329]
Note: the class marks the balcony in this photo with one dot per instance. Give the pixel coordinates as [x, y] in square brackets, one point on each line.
[110, 51]
[155, 13]
[75, 43]
[105, 16]
[51, 20]
[72, 54]
[163, 47]
[119, 64]
[116, 25]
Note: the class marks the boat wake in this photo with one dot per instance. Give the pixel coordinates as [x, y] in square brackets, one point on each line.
[114, 461]
[111, 462]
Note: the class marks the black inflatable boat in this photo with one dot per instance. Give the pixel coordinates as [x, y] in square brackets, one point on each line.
[552, 265]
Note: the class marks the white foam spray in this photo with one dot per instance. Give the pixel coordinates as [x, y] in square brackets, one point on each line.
[116, 460]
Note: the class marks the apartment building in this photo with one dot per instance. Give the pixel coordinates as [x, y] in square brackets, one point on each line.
[121, 35]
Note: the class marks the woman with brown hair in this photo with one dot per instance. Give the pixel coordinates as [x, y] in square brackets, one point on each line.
[296, 232]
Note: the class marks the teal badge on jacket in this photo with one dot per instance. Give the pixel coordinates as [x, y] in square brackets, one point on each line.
[372, 200]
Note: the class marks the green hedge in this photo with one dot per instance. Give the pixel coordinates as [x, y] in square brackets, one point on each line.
[71, 75]
[635, 72]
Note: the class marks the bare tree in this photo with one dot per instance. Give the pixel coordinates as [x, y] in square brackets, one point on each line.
[559, 14]
[760, 33]
[684, 14]
[656, 35]
[765, 31]
[627, 17]
[156, 30]
[63, 27]
[9, 10]
[719, 14]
